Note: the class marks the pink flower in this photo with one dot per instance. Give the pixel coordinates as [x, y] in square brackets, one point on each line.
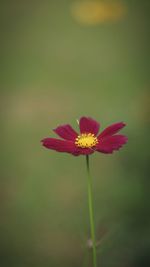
[88, 141]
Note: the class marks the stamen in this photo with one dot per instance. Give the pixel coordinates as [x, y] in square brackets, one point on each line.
[86, 140]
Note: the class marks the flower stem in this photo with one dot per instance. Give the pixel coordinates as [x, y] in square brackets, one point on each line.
[91, 212]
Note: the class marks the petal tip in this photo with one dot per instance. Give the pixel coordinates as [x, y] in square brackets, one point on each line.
[123, 124]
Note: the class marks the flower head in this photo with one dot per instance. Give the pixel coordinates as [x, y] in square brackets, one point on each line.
[88, 140]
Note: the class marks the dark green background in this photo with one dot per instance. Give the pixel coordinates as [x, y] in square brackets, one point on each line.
[53, 71]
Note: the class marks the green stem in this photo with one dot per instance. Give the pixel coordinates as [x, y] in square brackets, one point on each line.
[91, 212]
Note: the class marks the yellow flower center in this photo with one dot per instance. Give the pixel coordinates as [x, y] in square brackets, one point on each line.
[86, 140]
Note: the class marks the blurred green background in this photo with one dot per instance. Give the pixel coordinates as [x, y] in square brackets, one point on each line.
[54, 69]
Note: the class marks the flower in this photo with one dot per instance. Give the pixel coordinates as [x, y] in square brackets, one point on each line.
[88, 140]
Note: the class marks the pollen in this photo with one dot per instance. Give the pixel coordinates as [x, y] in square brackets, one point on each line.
[86, 140]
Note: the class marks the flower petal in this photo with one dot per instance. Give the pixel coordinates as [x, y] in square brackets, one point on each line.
[66, 132]
[59, 145]
[112, 129]
[88, 125]
[111, 143]
[83, 151]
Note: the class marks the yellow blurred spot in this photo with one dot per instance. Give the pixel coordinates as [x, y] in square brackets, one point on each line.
[95, 12]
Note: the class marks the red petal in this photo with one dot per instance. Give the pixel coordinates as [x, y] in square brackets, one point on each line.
[111, 143]
[84, 151]
[88, 125]
[59, 145]
[112, 129]
[66, 132]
